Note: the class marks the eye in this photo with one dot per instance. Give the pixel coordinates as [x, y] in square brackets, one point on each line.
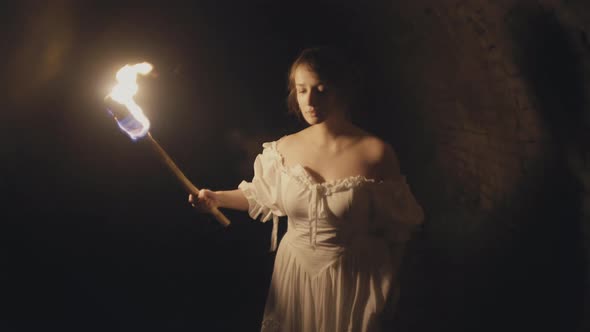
[300, 91]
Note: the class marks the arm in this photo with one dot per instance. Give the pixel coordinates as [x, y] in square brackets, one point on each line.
[388, 168]
[258, 197]
[232, 199]
[208, 199]
[387, 165]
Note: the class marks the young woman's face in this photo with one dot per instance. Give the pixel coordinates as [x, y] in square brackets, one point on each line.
[316, 100]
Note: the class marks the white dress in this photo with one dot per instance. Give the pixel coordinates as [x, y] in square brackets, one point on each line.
[332, 270]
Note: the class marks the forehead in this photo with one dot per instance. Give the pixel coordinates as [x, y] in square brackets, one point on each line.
[305, 75]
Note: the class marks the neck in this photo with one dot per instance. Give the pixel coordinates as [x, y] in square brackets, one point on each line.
[328, 131]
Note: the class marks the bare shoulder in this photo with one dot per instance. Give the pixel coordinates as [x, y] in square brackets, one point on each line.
[288, 141]
[376, 149]
[381, 156]
[289, 147]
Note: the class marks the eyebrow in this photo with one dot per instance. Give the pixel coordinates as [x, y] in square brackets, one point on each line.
[303, 84]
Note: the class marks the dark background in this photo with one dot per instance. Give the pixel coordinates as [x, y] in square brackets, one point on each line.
[96, 234]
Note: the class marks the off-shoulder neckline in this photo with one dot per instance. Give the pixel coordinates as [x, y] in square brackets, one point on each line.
[348, 182]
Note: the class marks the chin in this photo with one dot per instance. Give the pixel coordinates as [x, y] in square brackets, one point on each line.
[313, 121]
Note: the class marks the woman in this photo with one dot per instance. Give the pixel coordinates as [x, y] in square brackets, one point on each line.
[349, 209]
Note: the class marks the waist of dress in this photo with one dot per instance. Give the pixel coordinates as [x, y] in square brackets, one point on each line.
[328, 241]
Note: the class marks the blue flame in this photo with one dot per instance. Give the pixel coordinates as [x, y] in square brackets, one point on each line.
[130, 126]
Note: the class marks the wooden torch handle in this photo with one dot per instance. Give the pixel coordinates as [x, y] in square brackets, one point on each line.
[186, 183]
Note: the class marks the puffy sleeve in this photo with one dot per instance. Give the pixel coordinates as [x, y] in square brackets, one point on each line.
[264, 191]
[396, 213]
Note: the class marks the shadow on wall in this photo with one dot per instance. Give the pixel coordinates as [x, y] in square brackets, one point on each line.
[544, 274]
[521, 266]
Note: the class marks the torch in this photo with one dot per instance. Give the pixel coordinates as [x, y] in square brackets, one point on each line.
[133, 122]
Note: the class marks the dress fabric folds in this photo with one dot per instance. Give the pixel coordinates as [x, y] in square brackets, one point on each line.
[333, 268]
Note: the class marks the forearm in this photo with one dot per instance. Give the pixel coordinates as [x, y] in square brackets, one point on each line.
[232, 199]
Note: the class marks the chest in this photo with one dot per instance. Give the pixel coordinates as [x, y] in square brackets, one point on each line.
[331, 202]
[326, 166]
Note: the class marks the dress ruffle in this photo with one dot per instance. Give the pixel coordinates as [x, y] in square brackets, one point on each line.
[299, 173]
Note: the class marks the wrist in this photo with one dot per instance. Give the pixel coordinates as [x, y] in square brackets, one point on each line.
[218, 197]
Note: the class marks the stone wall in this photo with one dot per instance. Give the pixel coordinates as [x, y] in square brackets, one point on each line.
[490, 118]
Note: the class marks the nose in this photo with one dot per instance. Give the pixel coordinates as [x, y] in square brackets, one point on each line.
[312, 97]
